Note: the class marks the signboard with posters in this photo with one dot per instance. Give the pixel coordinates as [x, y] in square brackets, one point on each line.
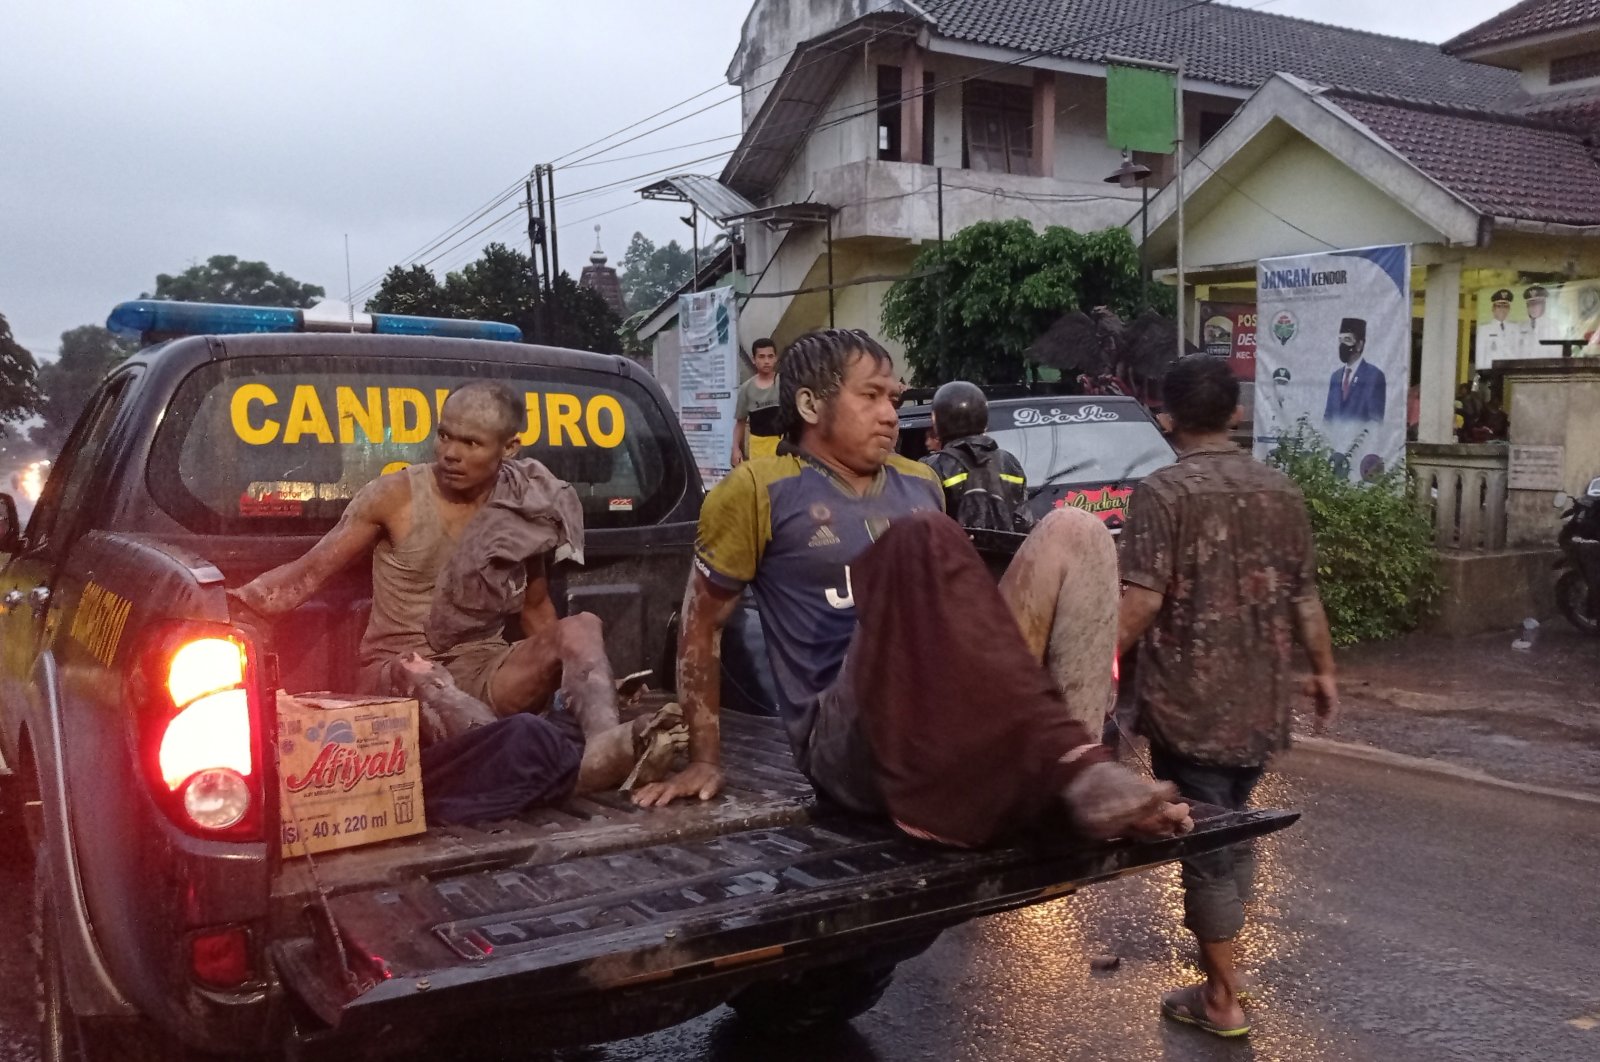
[708, 378]
[1335, 352]
[1514, 321]
[1228, 330]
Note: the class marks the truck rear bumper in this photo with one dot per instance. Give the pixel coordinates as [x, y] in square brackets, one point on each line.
[671, 930]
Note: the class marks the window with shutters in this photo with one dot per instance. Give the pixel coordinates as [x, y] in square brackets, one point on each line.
[997, 128]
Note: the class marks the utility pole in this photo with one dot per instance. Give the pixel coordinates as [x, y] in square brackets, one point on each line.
[944, 271]
[544, 227]
[555, 244]
[1183, 343]
[550, 311]
[694, 240]
[535, 239]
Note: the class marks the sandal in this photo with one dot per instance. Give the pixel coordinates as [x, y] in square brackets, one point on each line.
[1186, 1005]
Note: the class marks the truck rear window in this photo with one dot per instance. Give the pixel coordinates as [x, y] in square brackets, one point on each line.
[280, 445]
[1128, 449]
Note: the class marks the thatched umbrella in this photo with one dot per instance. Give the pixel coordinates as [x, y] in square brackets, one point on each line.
[1150, 346]
[1072, 345]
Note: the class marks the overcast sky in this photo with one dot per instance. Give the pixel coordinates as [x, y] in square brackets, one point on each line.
[140, 138]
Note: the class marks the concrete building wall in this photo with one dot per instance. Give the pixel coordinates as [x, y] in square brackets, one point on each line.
[1299, 199]
[771, 31]
[666, 357]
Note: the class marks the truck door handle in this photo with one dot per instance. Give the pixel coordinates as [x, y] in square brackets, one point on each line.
[39, 598]
[12, 599]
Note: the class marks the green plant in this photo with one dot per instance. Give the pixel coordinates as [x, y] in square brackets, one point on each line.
[974, 303]
[1376, 567]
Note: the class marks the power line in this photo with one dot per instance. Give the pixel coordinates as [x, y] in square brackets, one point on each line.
[657, 151]
[873, 106]
[370, 286]
[592, 159]
[928, 11]
[1259, 204]
[568, 198]
[850, 112]
[847, 113]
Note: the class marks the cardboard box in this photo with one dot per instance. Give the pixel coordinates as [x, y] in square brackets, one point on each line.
[349, 771]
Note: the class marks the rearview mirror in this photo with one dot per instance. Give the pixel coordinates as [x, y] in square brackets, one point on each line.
[1562, 499]
[1594, 488]
[10, 525]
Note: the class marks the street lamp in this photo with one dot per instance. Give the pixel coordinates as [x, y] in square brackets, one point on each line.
[1129, 175]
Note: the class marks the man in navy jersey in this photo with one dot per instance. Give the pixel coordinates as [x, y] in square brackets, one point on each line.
[910, 685]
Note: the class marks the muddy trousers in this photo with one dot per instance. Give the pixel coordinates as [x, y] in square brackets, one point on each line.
[1216, 885]
[944, 715]
[503, 768]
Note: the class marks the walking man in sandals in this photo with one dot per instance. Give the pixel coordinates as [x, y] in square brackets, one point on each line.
[1219, 584]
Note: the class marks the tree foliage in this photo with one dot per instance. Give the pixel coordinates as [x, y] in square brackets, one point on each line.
[88, 352]
[499, 286]
[19, 395]
[224, 278]
[979, 299]
[650, 273]
[1376, 568]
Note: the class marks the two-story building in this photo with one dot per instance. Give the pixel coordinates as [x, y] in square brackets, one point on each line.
[871, 127]
[1500, 204]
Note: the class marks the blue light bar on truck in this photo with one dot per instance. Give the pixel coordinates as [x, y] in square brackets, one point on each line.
[394, 324]
[143, 316]
[153, 319]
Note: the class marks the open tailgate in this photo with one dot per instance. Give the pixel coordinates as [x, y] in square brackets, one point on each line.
[536, 935]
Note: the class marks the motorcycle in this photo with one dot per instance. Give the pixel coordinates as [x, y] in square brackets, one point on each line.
[1578, 585]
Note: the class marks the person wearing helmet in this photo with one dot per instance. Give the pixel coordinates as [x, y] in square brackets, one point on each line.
[984, 486]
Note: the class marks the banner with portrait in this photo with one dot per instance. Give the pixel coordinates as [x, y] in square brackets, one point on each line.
[1516, 322]
[1334, 350]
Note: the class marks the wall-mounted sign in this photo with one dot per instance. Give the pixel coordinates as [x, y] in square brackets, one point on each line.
[1536, 467]
[1228, 330]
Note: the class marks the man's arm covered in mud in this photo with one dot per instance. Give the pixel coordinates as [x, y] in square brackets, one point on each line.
[288, 586]
[706, 609]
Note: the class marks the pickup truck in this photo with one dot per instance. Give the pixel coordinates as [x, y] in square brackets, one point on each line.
[169, 929]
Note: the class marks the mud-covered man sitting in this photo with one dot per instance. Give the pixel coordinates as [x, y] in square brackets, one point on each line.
[910, 685]
[460, 545]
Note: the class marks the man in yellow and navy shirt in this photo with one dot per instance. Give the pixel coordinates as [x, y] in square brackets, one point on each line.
[864, 587]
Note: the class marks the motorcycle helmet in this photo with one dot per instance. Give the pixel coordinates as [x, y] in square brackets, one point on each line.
[960, 410]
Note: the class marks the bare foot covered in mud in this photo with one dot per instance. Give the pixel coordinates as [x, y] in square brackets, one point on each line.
[1109, 801]
[633, 753]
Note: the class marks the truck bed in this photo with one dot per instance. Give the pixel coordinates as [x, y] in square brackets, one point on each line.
[595, 909]
[763, 789]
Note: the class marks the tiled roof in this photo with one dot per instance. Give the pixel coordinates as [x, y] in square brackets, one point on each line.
[1503, 166]
[1527, 19]
[1578, 110]
[1228, 45]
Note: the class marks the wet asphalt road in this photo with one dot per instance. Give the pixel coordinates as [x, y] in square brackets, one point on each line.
[1405, 917]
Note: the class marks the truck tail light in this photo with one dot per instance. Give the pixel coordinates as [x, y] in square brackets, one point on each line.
[203, 731]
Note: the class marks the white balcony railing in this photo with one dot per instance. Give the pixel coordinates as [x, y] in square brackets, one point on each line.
[1463, 488]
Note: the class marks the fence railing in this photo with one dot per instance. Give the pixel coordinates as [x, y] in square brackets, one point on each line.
[1463, 488]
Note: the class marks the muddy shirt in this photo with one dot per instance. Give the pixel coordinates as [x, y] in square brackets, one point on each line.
[1227, 542]
[788, 527]
[404, 575]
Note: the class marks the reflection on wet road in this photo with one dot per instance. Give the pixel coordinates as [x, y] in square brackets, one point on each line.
[1403, 918]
